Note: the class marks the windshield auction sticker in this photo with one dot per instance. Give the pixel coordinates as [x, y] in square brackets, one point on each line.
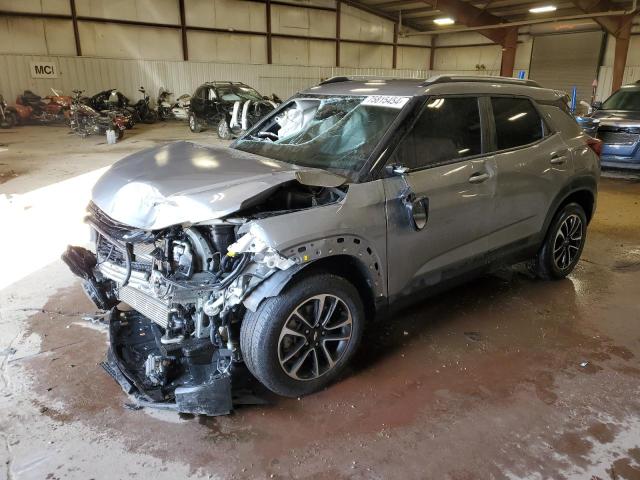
[389, 101]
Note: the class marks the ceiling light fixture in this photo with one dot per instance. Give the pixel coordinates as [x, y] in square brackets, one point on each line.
[544, 9]
[444, 21]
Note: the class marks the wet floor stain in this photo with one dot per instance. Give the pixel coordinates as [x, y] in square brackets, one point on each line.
[502, 377]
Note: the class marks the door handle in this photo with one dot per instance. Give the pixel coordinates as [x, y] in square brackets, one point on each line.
[478, 177]
[558, 158]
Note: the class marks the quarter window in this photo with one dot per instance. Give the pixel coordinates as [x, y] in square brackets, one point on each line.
[517, 122]
[448, 128]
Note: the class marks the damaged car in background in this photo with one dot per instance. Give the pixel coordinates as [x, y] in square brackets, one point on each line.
[231, 107]
[270, 256]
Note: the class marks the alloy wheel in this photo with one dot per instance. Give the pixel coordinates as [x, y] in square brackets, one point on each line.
[567, 242]
[314, 337]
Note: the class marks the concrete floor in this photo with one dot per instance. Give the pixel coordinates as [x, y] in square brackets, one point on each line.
[505, 377]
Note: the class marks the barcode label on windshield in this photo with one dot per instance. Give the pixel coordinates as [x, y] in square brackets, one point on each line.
[389, 101]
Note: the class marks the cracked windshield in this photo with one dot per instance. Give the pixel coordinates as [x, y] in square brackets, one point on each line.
[334, 133]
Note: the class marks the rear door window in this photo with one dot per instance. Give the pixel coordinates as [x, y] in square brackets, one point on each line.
[448, 129]
[517, 122]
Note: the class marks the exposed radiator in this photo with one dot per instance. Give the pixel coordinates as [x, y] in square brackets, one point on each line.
[150, 307]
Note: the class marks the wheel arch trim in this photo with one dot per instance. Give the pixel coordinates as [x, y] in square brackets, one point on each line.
[315, 254]
[585, 183]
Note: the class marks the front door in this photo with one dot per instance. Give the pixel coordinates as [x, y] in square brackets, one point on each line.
[444, 152]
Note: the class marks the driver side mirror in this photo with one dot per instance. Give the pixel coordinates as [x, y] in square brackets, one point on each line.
[397, 170]
[597, 105]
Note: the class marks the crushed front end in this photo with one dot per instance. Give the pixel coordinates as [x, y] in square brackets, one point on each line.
[177, 346]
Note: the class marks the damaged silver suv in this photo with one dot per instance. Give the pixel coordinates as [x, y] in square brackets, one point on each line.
[353, 195]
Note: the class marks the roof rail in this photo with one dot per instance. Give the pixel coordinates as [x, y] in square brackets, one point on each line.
[363, 77]
[471, 78]
[334, 80]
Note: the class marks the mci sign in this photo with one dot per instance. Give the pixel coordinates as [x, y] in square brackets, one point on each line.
[44, 70]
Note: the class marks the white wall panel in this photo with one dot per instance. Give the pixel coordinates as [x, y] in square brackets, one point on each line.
[96, 74]
[36, 36]
[303, 21]
[226, 14]
[365, 56]
[156, 11]
[358, 25]
[60, 7]
[303, 52]
[124, 41]
[411, 57]
[523, 54]
[226, 47]
[466, 58]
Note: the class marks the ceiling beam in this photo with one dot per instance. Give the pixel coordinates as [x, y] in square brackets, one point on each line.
[396, 3]
[379, 13]
[420, 12]
[471, 16]
[611, 25]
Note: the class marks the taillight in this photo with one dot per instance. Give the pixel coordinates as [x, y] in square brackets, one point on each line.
[595, 144]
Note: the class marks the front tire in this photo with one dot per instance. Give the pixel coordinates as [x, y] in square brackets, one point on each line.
[194, 124]
[9, 120]
[563, 244]
[224, 131]
[300, 341]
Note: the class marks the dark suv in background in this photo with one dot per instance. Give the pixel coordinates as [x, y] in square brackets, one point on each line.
[231, 107]
[616, 122]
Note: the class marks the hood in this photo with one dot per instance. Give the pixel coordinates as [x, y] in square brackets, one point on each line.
[184, 182]
[617, 117]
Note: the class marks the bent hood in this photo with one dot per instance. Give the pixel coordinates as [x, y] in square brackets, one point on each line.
[184, 182]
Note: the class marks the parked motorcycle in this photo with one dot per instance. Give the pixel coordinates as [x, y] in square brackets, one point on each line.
[142, 106]
[112, 102]
[168, 110]
[164, 104]
[7, 114]
[30, 108]
[58, 103]
[87, 121]
[181, 108]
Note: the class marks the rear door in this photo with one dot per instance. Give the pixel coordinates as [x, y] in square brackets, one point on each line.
[447, 167]
[533, 163]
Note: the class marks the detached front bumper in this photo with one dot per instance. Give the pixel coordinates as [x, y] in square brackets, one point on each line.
[195, 388]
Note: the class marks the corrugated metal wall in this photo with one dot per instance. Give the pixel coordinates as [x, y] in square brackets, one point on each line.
[96, 74]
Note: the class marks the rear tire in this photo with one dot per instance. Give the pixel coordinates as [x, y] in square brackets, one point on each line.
[194, 124]
[150, 117]
[563, 244]
[319, 343]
